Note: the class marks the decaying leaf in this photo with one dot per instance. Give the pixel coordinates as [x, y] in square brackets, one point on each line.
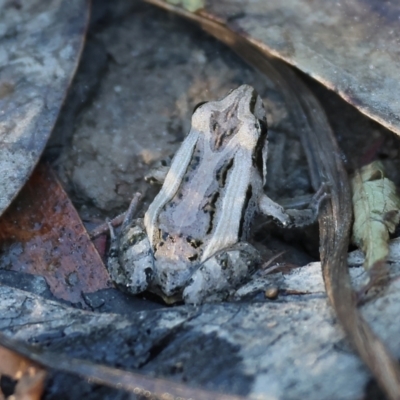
[26, 374]
[41, 233]
[376, 213]
[350, 46]
[40, 45]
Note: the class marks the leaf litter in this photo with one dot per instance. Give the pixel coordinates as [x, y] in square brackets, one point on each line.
[41, 233]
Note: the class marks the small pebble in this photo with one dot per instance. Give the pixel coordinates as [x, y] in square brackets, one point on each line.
[271, 293]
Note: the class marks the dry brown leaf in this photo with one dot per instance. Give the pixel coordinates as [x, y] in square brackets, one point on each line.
[41, 233]
[29, 376]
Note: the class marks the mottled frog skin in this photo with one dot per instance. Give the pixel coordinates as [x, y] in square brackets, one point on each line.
[191, 244]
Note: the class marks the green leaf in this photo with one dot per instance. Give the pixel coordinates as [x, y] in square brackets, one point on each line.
[190, 5]
[376, 213]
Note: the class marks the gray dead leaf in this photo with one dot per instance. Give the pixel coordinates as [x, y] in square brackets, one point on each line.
[295, 345]
[351, 47]
[40, 45]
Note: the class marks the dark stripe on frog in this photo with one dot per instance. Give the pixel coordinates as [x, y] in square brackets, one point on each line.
[257, 158]
[253, 101]
[222, 173]
[210, 209]
[249, 194]
[221, 177]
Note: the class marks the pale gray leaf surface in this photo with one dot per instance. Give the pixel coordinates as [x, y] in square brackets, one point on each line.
[351, 46]
[289, 348]
[40, 44]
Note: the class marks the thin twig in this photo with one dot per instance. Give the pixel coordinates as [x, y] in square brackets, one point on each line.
[118, 220]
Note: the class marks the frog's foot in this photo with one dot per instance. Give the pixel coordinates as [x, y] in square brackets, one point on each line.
[130, 262]
[295, 217]
[309, 215]
[221, 274]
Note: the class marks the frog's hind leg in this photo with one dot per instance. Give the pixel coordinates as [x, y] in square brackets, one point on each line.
[219, 276]
[130, 262]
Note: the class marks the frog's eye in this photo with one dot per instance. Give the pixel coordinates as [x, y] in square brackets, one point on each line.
[199, 105]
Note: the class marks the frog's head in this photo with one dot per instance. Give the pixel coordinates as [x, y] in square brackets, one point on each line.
[239, 115]
[236, 121]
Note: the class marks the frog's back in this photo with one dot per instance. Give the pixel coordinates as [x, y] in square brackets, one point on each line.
[210, 193]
